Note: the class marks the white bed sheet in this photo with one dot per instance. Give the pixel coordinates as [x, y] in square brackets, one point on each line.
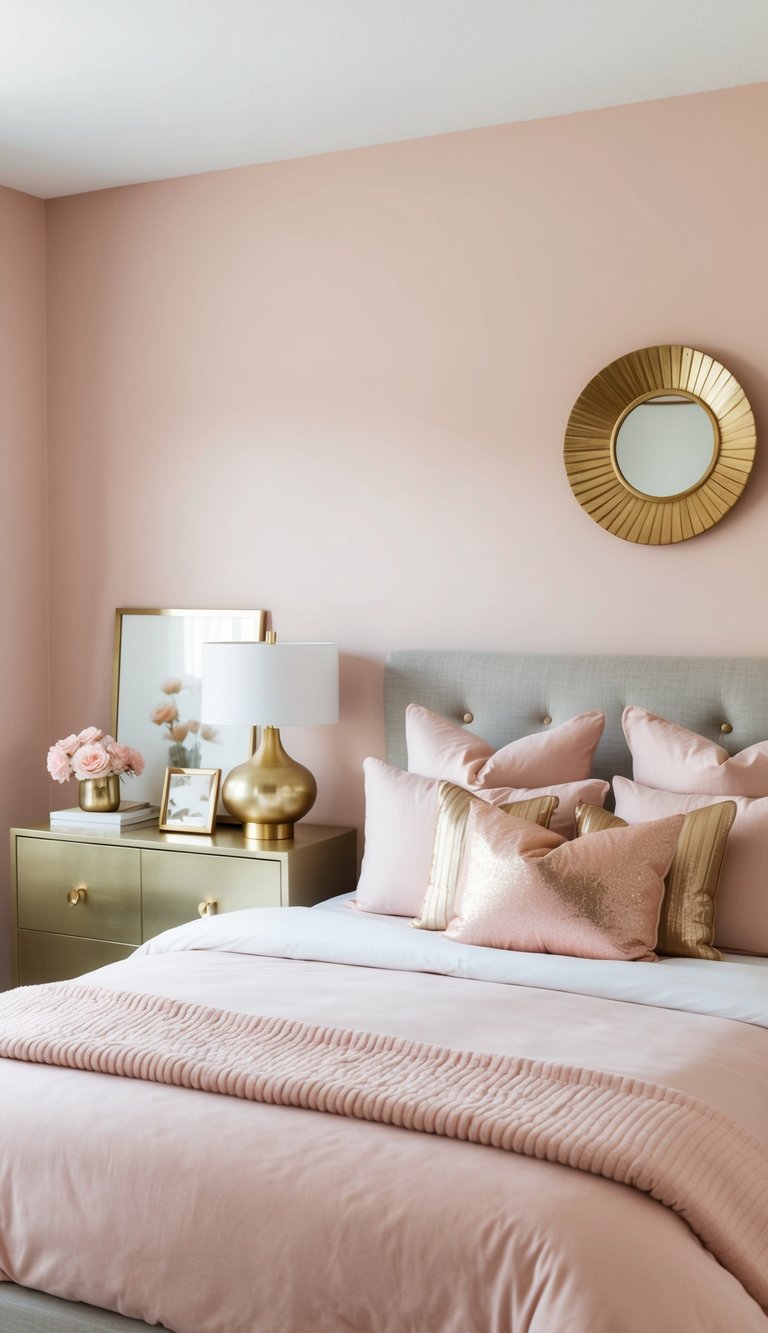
[336, 931]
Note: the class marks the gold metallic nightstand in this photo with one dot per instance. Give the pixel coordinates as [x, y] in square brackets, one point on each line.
[83, 898]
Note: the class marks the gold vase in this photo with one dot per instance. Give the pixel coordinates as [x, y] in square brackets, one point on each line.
[99, 795]
[270, 791]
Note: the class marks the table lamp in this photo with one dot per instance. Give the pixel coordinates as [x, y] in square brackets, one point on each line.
[270, 685]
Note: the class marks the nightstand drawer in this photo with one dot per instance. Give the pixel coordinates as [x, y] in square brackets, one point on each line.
[48, 872]
[44, 957]
[175, 883]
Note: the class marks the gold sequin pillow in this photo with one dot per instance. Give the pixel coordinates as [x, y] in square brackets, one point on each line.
[453, 806]
[525, 888]
[687, 921]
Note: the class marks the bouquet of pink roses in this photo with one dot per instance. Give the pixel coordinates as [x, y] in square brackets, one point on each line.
[92, 754]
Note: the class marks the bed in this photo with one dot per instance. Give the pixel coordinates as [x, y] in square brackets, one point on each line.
[127, 1203]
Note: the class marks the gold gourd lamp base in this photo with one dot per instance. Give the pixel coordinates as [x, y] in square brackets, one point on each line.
[270, 791]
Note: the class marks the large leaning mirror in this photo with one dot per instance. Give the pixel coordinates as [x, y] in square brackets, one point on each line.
[660, 445]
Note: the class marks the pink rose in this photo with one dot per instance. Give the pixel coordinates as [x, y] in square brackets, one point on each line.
[91, 761]
[125, 759]
[120, 756]
[179, 731]
[171, 686]
[69, 744]
[89, 736]
[58, 763]
[163, 713]
[193, 725]
[208, 733]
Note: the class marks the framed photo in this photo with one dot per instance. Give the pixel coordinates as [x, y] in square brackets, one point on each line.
[190, 798]
[156, 691]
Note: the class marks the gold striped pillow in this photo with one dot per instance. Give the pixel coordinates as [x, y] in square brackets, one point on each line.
[453, 806]
[687, 921]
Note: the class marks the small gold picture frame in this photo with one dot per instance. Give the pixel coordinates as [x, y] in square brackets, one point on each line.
[190, 798]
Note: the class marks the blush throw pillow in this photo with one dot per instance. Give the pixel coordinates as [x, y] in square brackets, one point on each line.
[400, 812]
[522, 887]
[400, 817]
[687, 921]
[438, 748]
[672, 758]
[741, 919]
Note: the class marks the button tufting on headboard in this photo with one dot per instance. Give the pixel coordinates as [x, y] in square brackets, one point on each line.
[726, 728]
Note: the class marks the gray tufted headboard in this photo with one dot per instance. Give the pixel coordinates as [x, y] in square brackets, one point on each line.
[510, 695]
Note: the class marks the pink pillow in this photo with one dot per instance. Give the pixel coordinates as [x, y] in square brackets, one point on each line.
[400, 817]
[741, 905]
[522, 887]
[438, 748]
[672, 758]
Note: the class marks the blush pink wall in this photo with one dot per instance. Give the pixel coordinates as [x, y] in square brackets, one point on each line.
[337, 388]
[23, 535]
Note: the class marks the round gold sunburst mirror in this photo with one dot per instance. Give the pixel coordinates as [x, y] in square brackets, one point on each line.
[660, 445]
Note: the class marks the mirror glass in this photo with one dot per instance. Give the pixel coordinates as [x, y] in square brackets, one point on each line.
[665, 445]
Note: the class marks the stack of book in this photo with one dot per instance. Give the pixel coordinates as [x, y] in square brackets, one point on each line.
[129, 813]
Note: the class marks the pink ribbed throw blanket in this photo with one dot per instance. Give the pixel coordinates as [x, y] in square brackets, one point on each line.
[677, 1149]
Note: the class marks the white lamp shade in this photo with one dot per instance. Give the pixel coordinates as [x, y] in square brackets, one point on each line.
[270, 684]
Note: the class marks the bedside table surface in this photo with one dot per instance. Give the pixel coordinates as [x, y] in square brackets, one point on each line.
[228, 840]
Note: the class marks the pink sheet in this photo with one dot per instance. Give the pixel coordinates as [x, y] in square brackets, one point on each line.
[221, 1216]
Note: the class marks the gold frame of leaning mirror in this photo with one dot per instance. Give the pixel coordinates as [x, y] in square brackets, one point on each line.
[597, 415]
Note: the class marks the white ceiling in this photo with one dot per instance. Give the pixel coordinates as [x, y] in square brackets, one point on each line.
[95, 93]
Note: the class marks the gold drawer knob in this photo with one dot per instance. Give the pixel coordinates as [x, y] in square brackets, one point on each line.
[208, 907]
[77, 895]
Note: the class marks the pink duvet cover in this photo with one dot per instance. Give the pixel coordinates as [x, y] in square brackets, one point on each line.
[214, 1215]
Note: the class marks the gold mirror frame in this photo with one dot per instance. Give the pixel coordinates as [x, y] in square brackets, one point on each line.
[590, 445]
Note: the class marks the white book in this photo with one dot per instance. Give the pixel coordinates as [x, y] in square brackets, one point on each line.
[130, 812]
